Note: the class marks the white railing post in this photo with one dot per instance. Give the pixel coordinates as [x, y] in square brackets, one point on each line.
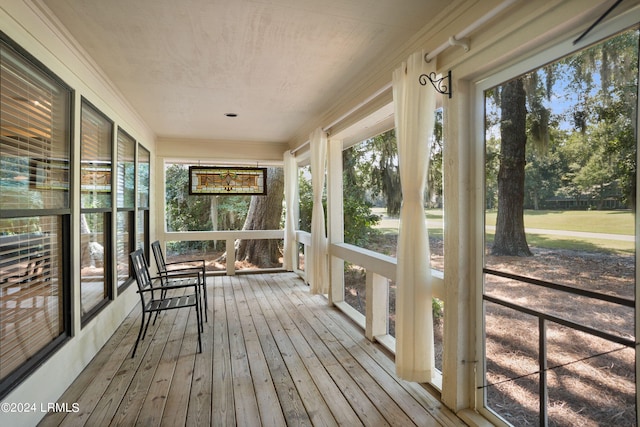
[377, 305]
[303, 238]
[231, 257]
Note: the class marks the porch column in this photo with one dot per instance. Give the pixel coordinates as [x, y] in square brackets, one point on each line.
[291, 219]
[335, 218]
[459, 360]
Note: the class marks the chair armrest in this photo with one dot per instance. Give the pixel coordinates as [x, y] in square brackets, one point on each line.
[177, 271]
[186, 262]
[163, 288]
[194, 273]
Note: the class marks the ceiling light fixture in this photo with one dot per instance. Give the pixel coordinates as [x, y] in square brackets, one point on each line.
[231, 114]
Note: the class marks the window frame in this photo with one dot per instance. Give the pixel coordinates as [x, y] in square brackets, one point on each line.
[561, 48]
[16, 377]
[142, 209]
[122, 209]
[108, 216]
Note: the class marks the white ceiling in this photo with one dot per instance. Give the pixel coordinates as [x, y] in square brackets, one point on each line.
[183, 64]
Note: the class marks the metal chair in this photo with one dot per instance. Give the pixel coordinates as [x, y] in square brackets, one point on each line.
[154, 299]
[170, 270]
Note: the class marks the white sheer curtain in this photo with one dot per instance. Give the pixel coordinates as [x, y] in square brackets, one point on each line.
[414, 119]
[291, 217]
[316, 263]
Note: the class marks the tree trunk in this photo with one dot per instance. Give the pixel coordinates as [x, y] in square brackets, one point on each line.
[213, 213]
[510, 238]
[265, 213]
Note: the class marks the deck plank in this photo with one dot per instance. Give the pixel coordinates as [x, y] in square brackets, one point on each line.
[154, 402]
[373, 402]
[405, 410]
[200, 394]
[273, 354]
[129, 409]
[247, 412]
[222, 406]
[442, 415]
[91, 385]
[317, 408]
[177, 400]
[349, 404]
[264, 389]
[290, 401]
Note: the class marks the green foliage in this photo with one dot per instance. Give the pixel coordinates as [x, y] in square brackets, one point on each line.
[358, 218]
[187, 212]
[306, 200]
[437, 306]
[434, 175]
[358, 221]
[384, 170]
[581, 147]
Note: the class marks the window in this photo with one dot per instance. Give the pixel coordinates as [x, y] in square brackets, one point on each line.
[96, 135]
[305, 207]
[125, 204]
[144, 163]
[372, 196]
[35, 146]
[559, 256]
[190, 212]
[305, 191]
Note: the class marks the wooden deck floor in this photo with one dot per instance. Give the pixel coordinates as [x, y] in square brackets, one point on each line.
[273, 355]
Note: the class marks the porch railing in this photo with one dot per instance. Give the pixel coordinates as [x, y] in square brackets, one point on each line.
[229, 236]
[380, 270]
[543, 319]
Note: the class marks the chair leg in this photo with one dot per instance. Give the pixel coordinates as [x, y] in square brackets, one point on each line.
[206, 298]
[199, 327]
[199, 312]
[163, 294]
[147, 327]
[202, 309]
[135, 347]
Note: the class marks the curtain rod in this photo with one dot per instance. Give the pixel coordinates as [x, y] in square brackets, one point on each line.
[347, 114]
[458, 38]
[453, 40]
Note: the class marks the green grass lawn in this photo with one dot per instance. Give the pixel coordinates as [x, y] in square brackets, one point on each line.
[548, 241]
[609, 222]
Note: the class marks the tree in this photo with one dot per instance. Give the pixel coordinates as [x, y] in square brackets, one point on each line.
[265, 213]
[305, 197]
[358, 218]
[187, 212]
[434, 191]
[510, 238]
[385, 176]
[605, 77]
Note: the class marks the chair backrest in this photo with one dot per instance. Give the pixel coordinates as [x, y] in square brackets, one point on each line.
[141, 272]
[160, 263]
[157, 254]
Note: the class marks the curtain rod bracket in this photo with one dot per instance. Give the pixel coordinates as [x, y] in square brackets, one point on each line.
[462, 42]
[441, 85]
